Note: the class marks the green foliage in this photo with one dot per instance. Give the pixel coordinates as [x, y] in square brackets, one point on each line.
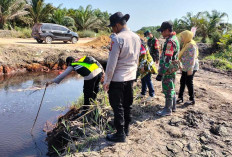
[10, 10]
[24, 32]
[226, 41]
[59, 16]
[151, 28]
[85, 18]
[86, 33]
[222, 59]
[216, 36]
[39, 11]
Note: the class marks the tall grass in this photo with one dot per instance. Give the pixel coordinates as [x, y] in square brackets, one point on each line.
[87, 33]
[221, 60]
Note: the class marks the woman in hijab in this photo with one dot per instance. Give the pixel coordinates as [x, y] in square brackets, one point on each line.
[188, 57]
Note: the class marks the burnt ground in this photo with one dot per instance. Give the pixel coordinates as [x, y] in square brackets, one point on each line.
[204, 129]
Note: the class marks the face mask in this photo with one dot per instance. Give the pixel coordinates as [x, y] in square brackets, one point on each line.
[148, 38]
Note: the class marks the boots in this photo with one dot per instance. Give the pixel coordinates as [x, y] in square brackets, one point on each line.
[119, 136]
[174, 104]
[167, 111]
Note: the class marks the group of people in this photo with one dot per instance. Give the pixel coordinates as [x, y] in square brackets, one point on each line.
[129, 57]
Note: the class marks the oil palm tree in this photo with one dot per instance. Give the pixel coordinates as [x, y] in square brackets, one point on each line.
[85, 18]
[11, 9]
[59, 16]
[189, 20]
[214, 19]
[39, 11]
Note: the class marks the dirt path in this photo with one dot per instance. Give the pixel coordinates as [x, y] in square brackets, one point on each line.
[201, 130]
[55, 44]
[22, 55]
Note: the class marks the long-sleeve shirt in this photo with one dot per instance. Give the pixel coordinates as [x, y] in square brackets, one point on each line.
[153, 45]
[146, 62]
[69, 69]
[123, 57]
[189, 60]
[170, 52]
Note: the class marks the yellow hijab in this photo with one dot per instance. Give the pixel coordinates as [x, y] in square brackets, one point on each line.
[187, 37]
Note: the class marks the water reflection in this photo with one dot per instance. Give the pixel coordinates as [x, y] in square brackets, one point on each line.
[18, 108]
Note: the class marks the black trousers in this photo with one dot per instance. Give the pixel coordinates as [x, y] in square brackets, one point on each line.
[187, 80]
[121, 99]
[91, 88]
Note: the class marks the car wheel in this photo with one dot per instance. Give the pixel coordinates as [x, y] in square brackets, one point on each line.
[39, 41]
[65, 42]
[48, 40]
[74, 40]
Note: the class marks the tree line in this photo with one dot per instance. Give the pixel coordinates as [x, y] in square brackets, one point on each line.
[25, 13]
[209, 25]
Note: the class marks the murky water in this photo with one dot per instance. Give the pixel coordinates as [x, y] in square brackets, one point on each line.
[19, 103]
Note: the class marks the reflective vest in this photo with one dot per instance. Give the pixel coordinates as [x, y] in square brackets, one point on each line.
[85, 65]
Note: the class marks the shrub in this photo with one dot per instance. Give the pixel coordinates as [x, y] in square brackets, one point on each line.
[216, 36]
[226, 41]
[221, 60]
[86, 33]
[100, 33]
[23, 32]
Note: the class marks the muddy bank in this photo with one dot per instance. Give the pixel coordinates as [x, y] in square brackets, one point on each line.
[20, 59]
[201, 130]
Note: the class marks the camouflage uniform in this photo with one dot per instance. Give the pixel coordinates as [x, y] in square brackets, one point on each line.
[153, 45]
[170, 53]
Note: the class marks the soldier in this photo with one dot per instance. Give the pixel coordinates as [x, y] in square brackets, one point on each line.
[169, 54]
[120, 74]
[153, 45]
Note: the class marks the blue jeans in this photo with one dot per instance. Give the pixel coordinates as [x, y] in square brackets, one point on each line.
[147, 82]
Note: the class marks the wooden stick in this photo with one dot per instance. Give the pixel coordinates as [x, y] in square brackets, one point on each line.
[39, 109]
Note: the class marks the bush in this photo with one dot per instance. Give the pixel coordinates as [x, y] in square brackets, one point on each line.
[86, 33]
[100, 33]
[226, 41]
[221, 60]
[23, 32]
[216, 36]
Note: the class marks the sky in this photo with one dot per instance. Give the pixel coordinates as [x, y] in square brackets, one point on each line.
[150, 12]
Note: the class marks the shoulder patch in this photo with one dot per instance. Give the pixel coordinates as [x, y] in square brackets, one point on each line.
[143, 50]
[111, 45]
[157, 44]
[169, 49]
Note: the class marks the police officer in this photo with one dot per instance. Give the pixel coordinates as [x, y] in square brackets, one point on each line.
[121, 73]
[169, 54]
[91, 70]
[153, 45]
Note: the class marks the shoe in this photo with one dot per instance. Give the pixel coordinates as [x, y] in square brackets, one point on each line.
[192, 102]
[150, 98]
[139, 96]
[127, 130]
[116, 137]
[179, 100]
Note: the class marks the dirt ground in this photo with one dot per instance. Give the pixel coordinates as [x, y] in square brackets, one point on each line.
[21, 55]
[204, 129]
[55, 44]
[201, 130]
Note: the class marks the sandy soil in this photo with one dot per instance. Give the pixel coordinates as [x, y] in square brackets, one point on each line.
[201, 130]
[55, 44]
